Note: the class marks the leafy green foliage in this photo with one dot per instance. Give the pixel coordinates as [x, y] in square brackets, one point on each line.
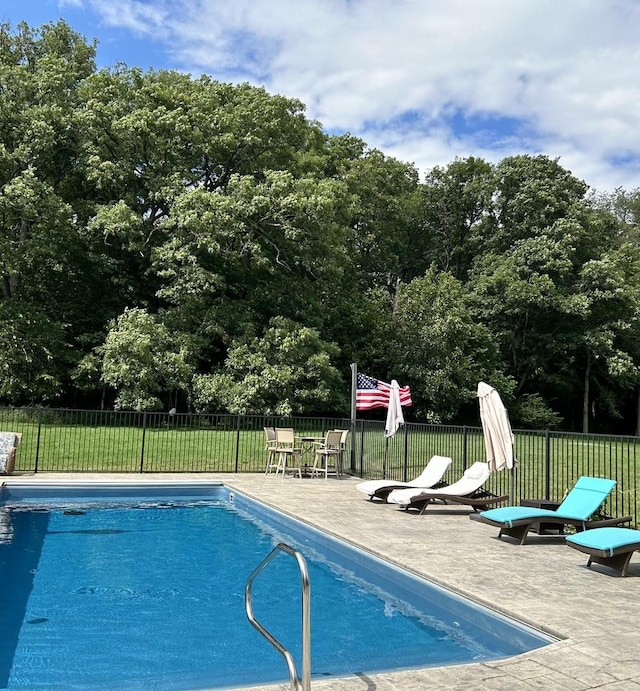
[445, 352]
[286, 372]
[33, 354]
[174, 238]
[141, 360]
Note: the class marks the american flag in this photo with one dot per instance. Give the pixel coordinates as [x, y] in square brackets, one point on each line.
[372, 393]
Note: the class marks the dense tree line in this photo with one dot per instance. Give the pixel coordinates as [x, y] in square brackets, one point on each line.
[170, 241]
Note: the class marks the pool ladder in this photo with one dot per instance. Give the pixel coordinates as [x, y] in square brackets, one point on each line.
[305, 682]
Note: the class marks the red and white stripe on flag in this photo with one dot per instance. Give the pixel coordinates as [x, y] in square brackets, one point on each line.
[373, 393]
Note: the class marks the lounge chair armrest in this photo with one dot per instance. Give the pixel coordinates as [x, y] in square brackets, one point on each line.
[607, 521]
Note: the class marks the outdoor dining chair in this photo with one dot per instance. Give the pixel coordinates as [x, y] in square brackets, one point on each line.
[328, 454]
[270, 446]
[287, 452]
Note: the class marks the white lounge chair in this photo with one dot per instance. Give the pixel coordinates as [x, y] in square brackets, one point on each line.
[429, 477]
[467, 490]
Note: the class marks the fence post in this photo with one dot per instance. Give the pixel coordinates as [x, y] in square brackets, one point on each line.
[361, 448]
[547, 464]
[35, 470]
[405, 471]
[144, 434]
[238, 442]
[464, 448]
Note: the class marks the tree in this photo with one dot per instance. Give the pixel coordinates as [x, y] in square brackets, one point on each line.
[143, 362]
[625, 207]
[208, 193]
[33, 352]
[286, 372]
[528, 284]
[454, 203]
[264, 248]
[51, 282]
[150, 137]
[381, 213]
[531, 194]
[608, 339]
[445, 352]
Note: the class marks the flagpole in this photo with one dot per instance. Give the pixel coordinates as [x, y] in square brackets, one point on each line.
[354, 385]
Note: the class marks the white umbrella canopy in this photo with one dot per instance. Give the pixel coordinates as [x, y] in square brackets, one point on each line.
[395, 417]
[498, 437]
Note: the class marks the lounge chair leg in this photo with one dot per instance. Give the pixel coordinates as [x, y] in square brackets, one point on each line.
[518, 532]
[424, 508]
[620, 562]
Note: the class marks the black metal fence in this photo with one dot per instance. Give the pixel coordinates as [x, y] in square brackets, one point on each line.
[548, 465]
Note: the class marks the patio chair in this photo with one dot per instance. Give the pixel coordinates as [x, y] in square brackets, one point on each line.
[327, 455]
[9, 442]
[467, 490]
[344, 435]
[583, 501]
[429, 478]
[611, 547]
[287, 451]
[270, 446]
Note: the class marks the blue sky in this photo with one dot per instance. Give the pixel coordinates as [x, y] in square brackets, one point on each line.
[425, 81]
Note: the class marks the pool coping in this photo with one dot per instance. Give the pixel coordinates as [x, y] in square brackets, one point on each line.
[543, 583]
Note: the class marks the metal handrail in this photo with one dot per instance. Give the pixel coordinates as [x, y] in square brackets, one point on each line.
[305, 682]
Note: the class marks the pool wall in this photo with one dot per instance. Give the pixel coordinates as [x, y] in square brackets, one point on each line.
[498, 632]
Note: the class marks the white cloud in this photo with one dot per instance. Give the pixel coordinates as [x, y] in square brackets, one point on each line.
[567, 70]
[138, 16]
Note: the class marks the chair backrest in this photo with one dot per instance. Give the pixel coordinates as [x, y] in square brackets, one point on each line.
[332, 439]
[344, 433]
[285, 436]
[586, 497]
[433, 472]
[472, 479]
[9, 440]
[269, 435]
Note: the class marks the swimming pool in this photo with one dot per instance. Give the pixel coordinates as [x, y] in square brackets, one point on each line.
[85, 621]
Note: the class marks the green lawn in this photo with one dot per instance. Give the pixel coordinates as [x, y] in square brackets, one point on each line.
[122, 448]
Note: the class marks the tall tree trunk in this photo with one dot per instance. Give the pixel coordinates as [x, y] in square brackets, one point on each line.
[10, 281]
[585, 398]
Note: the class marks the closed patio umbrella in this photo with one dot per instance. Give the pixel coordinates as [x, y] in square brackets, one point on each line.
[498, 437]
[395, 417]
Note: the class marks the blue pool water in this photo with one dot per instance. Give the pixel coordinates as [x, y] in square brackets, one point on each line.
[143, 588]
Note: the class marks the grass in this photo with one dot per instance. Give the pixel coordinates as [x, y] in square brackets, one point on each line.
[228, 447]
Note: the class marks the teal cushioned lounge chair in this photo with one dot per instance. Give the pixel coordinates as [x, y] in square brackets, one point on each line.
[582, 502]
[609, 546]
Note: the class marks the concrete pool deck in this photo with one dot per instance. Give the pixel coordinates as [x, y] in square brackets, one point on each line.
[594, 611]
